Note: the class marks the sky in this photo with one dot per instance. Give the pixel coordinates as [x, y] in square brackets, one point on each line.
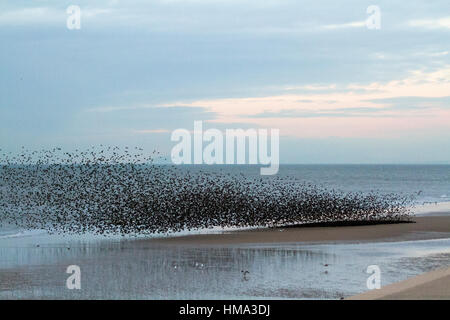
[136, 70]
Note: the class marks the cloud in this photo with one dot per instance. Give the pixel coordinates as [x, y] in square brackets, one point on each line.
[312, 87]
[141, 120]
[145, 131]
[356, 112]
[46, 15]
[441, 23]
[118, 108]
[417, 102]
[32, 15]
[354, 24]
[439, 54]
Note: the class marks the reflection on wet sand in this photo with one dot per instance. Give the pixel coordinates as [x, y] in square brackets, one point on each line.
[136, 269]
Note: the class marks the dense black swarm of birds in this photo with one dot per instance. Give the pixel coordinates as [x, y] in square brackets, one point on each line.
[121, 190]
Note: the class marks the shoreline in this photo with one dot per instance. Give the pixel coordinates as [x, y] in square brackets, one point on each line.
[433, 285]
[212, 264]
[428, 221]
[424, 228]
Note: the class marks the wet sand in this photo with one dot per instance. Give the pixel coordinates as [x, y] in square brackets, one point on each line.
[431, 285]
[130, 269]
[282, 263]
[423, 228]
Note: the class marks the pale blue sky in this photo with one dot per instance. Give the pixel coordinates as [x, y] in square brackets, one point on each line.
[311, 68]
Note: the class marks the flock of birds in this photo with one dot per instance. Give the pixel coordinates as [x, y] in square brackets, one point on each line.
[110, 190]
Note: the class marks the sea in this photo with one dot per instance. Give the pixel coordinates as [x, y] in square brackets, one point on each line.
[426, 183]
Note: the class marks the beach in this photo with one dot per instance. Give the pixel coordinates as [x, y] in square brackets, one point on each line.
[224, 150]
[433, 285]
[279, 263]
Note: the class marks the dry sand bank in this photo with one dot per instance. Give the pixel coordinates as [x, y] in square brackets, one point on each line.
[426, 227]
[431, 285]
